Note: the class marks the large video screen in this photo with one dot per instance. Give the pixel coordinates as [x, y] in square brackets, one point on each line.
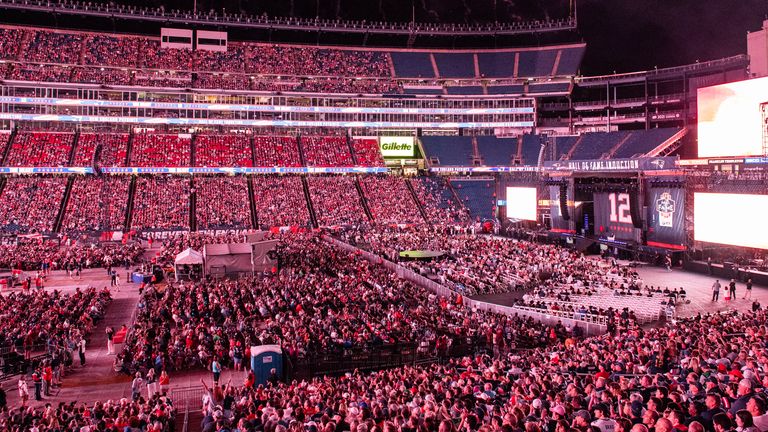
[521, 203]
[732, 219]
[613, 215]
[731, 118]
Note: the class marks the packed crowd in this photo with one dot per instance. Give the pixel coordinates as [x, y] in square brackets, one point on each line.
[47, 255]
[161, 203]
[477, 264]
[438, 201]
[156, 414]
[97, 204]
[390, 201]
[702, 374]
[10, 42]
[53, 47]
[223, 151]
[105, 50]
[50, 149]
[161, 150]
[367, 152]
[38, 72]
[326, 151]
[336, 200]
[114, 149]
[222, 203]
[94, 75]
[322, 300]
[44, 46]
[31, 203]
[280, 201]
[272, 151]
[43, 320]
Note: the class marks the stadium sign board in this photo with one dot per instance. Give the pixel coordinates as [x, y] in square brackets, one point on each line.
[397, 146]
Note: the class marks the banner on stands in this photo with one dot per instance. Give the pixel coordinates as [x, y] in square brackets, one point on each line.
[665, 218]
[639, 164]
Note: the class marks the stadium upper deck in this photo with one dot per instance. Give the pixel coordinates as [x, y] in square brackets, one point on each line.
[43, 55]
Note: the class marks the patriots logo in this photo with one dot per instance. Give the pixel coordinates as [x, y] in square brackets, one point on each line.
[658, 163]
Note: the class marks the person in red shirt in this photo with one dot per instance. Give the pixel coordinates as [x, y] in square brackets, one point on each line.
[47, 378]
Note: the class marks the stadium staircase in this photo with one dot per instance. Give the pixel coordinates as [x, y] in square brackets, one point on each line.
[129, 149]
[351, 149]
[609, 154]
[409, 185]
[252, 141]
[63, 206]
[73, 150]
[193, 150]
[11, 139]
[455, 194]
[3, 180]
[518, 158]
[477, 158]
[192, 205]
[129, 206]
[308, 199]
[573, 149]
[252, 202]
[23, 45]
[301, 151]
[363, 199]
[670, 145]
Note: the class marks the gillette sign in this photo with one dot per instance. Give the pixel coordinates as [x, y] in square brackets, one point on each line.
[396, 146]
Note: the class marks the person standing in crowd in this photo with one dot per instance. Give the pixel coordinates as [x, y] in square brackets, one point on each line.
[216, 370]
[716, 291]
[748, 292]
[81, 350]
[151, 383]
[113, 278]
[709, 265]
[110, 345]
[23, 390]
[47, 378]
[164, 381]
[37, 380]
[136, 384]
[732, 288]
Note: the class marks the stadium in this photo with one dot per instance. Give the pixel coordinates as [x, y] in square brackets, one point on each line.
[426, 216]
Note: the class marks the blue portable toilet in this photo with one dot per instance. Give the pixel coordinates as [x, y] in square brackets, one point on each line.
[264, 358]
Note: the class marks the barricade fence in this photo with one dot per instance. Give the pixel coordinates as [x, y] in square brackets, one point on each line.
[592, 324]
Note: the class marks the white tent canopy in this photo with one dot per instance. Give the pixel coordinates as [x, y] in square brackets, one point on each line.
[187, 257]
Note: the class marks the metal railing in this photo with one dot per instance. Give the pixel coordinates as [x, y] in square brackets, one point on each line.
[590, 327]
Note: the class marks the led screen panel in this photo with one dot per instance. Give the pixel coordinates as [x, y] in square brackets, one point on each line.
[521, 203]
[731, 118]
[732, 219]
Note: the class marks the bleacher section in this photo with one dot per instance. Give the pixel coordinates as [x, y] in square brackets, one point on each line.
[477, 196]
[506, 89]
[497, 151]
[536, 63]
[641, 142]
[531, 149]
[412, 65]
[455, 65]
[594, 145]
[563, 145]
[114, 59]
[448, 150]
